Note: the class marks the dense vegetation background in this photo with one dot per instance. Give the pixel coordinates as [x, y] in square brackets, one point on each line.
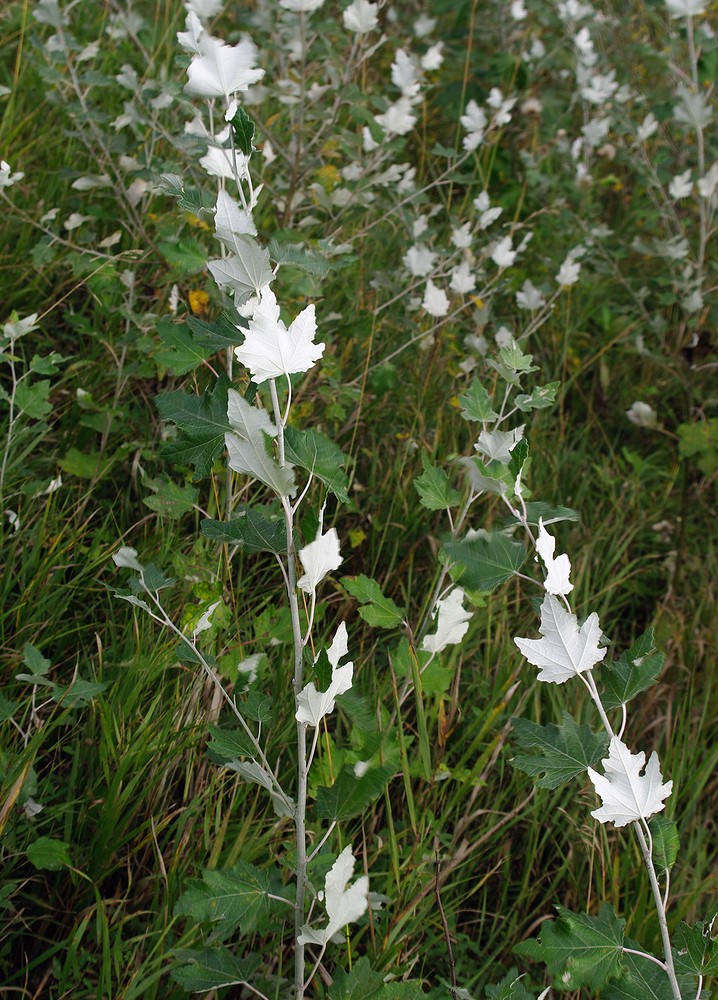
[108, 800]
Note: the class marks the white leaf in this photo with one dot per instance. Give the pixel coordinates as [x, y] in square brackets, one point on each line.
[247, 271]
[230, 221]
[313, 705]
[222, 70]
[398, 119]
[558, 569]
[127, 557]
[498, 445]
[270, 349]
[247, 446]
[502, 254]
[628, 795]
[419, 260]
[344, 905]
[204, 621]
[565, 650]
[435, 301]
[453, 623]
[360, 17]
[319, 558]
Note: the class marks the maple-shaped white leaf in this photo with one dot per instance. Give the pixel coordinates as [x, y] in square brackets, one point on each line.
[270, 349]
[628, 795]
[558, 569]
[319, 558]
[360, 17]
[453, 623]
[313, 705]
[344, 905]
[222, 70]
[247, 446]
[190, 39]
[498, 445]
[565, 650]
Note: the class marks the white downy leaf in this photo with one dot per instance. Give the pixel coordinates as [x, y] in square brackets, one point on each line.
[344, 905]
[498, 445]
[247, 446]
[558, 569]
[230, 221]
[253, 772]
[127, 558]
[628, 795]
[565, 650]
[319, 558]
[222, 70]
[313, 705]
[247, 271]
[204, 621]
[270, 349]
[360, 17]
[453, 623]
[435, 301]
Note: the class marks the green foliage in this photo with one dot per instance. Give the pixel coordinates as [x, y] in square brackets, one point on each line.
[565, 751]
[577, 949]
[201, 425]
[485, 563]
[350, 795]
[434, 489]
[212, 968]
[634, 671]
[316, 453]
[250, 529]
[378, 611]
[235, 898]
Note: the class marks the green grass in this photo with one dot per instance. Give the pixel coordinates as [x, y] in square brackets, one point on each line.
[126, 781]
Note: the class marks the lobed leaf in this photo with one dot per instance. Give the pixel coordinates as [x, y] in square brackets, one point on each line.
[382, 611]
[318, 454]
[435, 491]
[634, 671]
[212, 968]
[578, 949]
[563, 751]
[250, 529]
[485, 562]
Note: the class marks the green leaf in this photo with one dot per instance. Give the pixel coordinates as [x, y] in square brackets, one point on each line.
[349, 796]
[288, 253]
[486, 562]
[642, 979]
[251, 530]
[7, 708]
[196, 202]
[79, 692]
[34, 660]
[541, 397]
[489, 477]
[318, 454]
[170, 499]
[185, 256]
[577, 949]
[476, 403]
[435, 491]
[665, 841]
[519, 457]
[239, 897]
[31, 399]
[563, 751]
[695, 952]
[94, 465]
[202, 423]
[362, 983]
[212, 968]
[49, 855]
[48, 364]
[509, 988]
[180, 352]
[633, 672]
[243, 131]
[229, 744]
[512, 363]
[382, 611]
[219, 335]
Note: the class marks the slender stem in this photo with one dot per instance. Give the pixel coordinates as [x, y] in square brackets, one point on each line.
[300, 811]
